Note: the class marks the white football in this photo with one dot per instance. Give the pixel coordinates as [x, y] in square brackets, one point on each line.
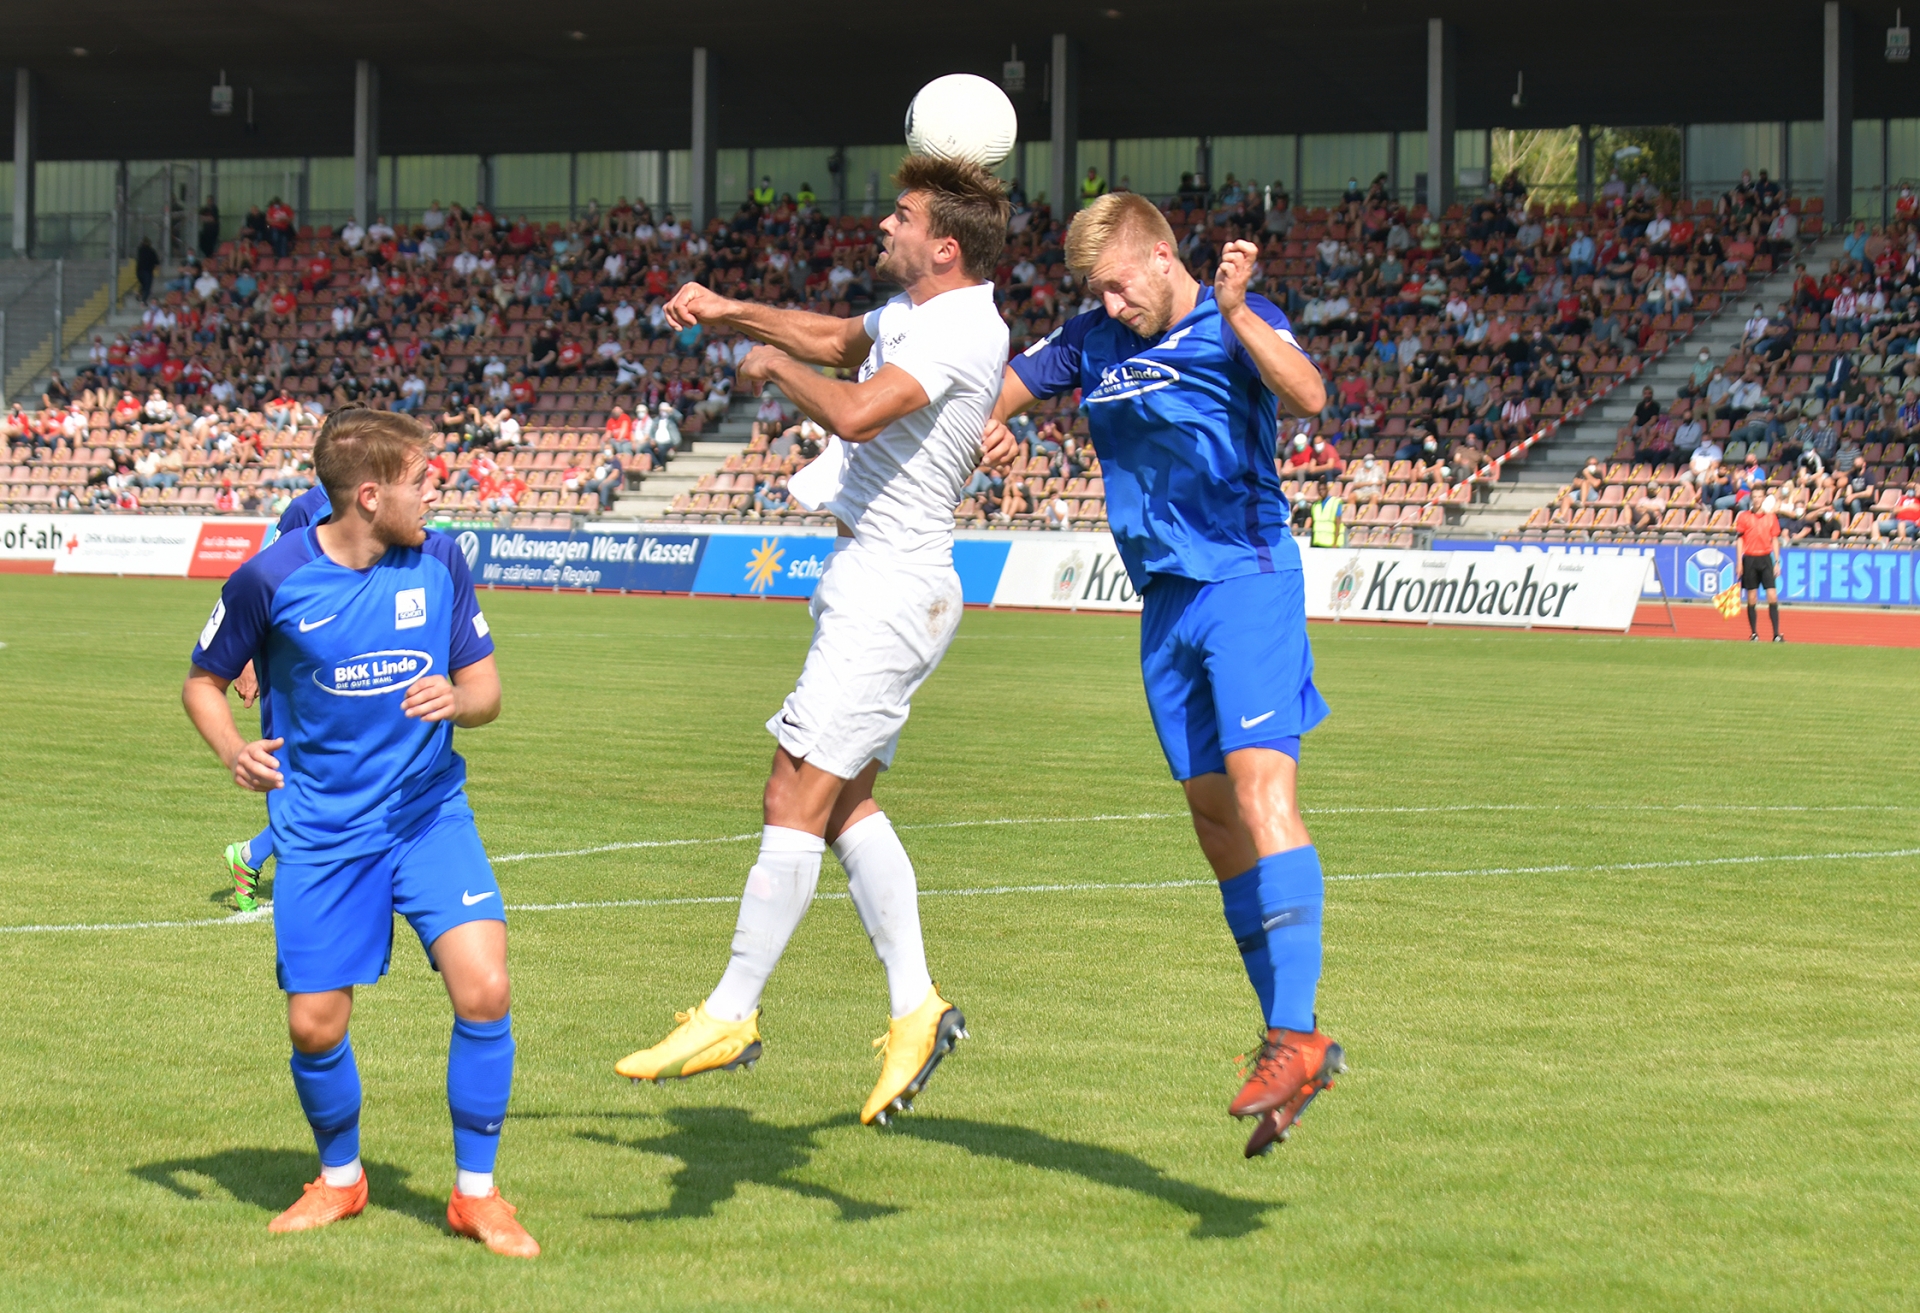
[962, 117]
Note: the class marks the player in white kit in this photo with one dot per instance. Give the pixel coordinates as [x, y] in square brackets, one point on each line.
[907, 439]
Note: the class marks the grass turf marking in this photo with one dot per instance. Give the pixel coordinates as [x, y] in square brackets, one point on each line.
[991, 891]
[627, 846]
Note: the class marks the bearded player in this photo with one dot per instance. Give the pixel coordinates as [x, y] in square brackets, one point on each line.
[930, 364]
[1180, 387]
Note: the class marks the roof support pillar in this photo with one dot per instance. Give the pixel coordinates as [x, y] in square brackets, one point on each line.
[25, 153]
[1442, 69]
[366, 141]
[1063, 91]
[706, 103]
[1838, 112]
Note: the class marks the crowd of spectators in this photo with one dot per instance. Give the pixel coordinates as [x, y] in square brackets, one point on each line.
[1816, 411]
[540, 353]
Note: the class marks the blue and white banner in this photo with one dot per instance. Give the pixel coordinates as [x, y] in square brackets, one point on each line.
[1695, 572]
[1082, 571]
[1884, 578]
[633, 562]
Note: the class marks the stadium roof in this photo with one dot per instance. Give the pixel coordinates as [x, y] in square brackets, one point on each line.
[464, 76]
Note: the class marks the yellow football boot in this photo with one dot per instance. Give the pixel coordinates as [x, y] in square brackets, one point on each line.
[699, 1043]
[911, 1049]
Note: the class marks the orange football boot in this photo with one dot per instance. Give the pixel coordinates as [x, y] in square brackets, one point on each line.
[1287, 1073]
[320, 1204]
[489, 1219]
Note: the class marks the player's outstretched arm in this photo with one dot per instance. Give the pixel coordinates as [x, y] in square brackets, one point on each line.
[816, 339]
[253, 764]
[998, 446]
[1014, 396]
[470, 699]
[1288, 372]
[855, 411]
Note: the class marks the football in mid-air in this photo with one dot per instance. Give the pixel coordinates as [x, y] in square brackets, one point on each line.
[962, 117]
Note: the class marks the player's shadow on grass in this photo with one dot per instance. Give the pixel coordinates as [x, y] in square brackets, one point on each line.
[722, 1149]
[271, 1179]
[1215, 1215]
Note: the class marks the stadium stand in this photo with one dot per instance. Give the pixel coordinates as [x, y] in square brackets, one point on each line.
[540, 355]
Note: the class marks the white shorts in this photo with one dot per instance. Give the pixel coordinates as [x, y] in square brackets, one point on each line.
[879, 629]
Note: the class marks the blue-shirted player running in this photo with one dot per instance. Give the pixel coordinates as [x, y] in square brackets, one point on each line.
[1179, 389]
[245, 860]
[366, 634]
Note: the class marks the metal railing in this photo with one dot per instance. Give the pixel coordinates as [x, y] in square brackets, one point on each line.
[45, 307]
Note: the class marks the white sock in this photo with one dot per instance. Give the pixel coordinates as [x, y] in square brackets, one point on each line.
[342, 1176]
[472, 1184]
[779, 890]
[880, 880]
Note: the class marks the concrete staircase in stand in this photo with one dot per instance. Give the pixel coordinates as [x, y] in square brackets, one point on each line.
[1525, 487]
[701, 456]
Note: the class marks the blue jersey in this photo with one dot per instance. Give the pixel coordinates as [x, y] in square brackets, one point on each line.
[335, 650]
[1185, 429]
[310, 507]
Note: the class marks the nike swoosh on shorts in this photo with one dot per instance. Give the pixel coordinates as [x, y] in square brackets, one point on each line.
[1249, 724]
[305, 627]
[471, 899]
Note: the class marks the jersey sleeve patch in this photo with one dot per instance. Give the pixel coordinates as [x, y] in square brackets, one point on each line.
[213, 622]
[237, 629]
[470, 640]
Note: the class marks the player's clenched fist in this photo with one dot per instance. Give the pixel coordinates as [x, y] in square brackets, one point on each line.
[1234, 272]
[694, 304]
[255, 767]
[998, 446]
[759, 365]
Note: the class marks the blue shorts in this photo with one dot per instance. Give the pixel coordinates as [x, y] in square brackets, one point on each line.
[333, 922]
[1227, 666]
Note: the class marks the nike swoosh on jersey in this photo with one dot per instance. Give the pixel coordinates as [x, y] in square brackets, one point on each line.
[471, 899]
[1249, 724]
[306, 628]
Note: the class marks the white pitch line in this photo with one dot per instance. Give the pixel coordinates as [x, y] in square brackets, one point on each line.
[623, 847]
[990, 891]
[238, 918]
[1759, 859]
[1181, 816]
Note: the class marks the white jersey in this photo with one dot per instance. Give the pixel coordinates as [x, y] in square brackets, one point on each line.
[900, 488]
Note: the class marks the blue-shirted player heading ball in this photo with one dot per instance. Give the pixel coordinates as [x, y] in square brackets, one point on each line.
[1181, 387]
[369, 644]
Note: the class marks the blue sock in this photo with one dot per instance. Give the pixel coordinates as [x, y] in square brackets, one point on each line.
[1273, 911]
[257, 849]
[479, 1079]
[329, 1088]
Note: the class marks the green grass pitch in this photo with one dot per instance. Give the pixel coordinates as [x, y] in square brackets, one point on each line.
[1586, 1073]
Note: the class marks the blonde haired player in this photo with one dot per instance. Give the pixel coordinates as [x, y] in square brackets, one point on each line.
[1181, 385]
[930, 364]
